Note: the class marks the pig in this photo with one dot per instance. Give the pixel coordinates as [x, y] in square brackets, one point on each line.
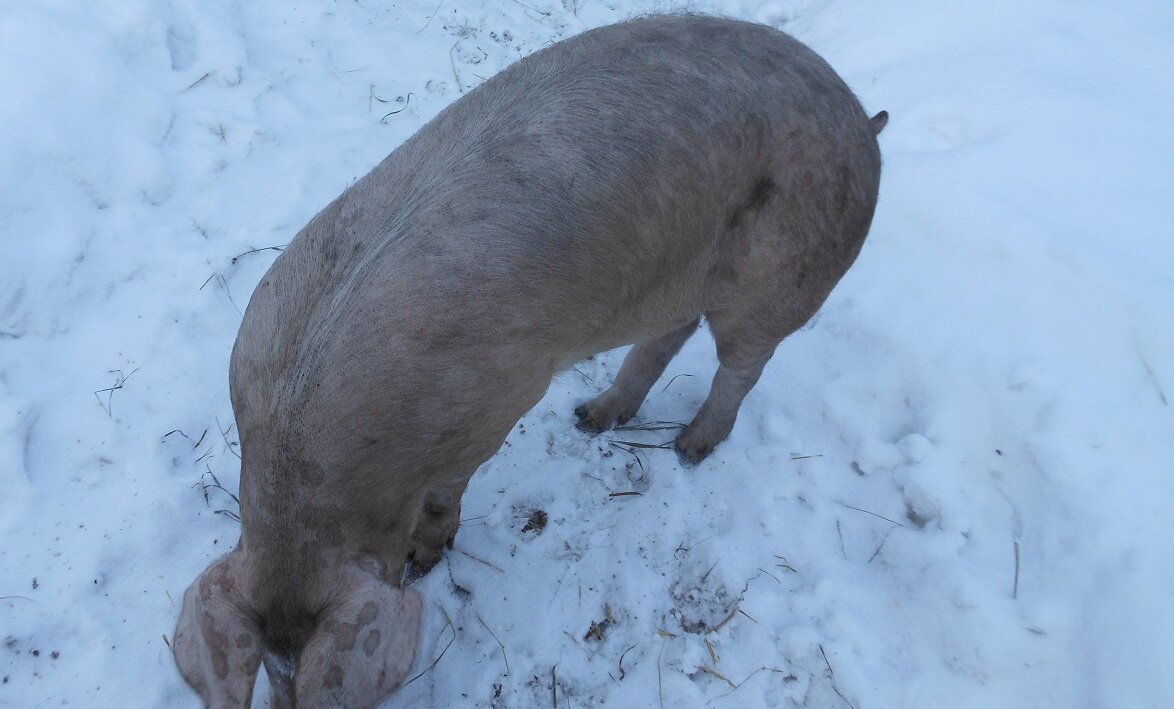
[608, 190]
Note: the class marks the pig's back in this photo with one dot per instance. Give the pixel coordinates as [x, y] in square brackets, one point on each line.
[607, 180]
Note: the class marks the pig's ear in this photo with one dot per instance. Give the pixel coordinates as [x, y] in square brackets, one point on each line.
[363, 645]
[217, 644]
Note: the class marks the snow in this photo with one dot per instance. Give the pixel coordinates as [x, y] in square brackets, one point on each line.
[953, 488]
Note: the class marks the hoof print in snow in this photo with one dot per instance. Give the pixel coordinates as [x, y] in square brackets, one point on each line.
[529, 518]
[701, 605]
[917, 518]
[599, 628]
[535, 523]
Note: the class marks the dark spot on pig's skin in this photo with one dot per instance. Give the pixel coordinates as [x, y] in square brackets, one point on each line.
[333, 678]
[368, 613]
[434, 509]
[244, 640]
[331, 531]
[371, 644]
[759, 194]
[217, 643]
[219, 663]
[346, 634]
[843, 188]
[308, 471]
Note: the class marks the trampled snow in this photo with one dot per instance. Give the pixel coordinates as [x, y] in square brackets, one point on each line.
[951, 489]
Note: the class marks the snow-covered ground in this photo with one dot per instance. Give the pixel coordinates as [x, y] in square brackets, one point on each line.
[952, 489]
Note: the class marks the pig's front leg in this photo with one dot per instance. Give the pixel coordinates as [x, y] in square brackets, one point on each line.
[436, 526]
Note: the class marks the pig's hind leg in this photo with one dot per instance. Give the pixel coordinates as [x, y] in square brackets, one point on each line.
[743, 349]
[642, 367]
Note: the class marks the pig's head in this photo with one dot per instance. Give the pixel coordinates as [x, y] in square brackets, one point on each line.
[357, 647]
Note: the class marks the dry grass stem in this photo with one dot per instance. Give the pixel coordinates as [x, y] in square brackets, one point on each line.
[198, 81]
[230, 445]
[478, 559]
[776, 578]
[453, 61]
[621, 662]
[666, 386]
[880, 546]
[785, 565]
[712, 653]
[659, 682]
[873, 514]
[256, 251]
[503, 655]
[788, 678]
[710, 671]
[447, 626]
[750, 617]
[407, 102]
[636, 444]
[1015, 584]
[832, 677]
[430, 17]
[1153, 378]
[652, 426]
[119, 382]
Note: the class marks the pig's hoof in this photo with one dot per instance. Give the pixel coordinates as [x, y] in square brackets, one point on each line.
[691, 449]
[595, 417]
[422, 561]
